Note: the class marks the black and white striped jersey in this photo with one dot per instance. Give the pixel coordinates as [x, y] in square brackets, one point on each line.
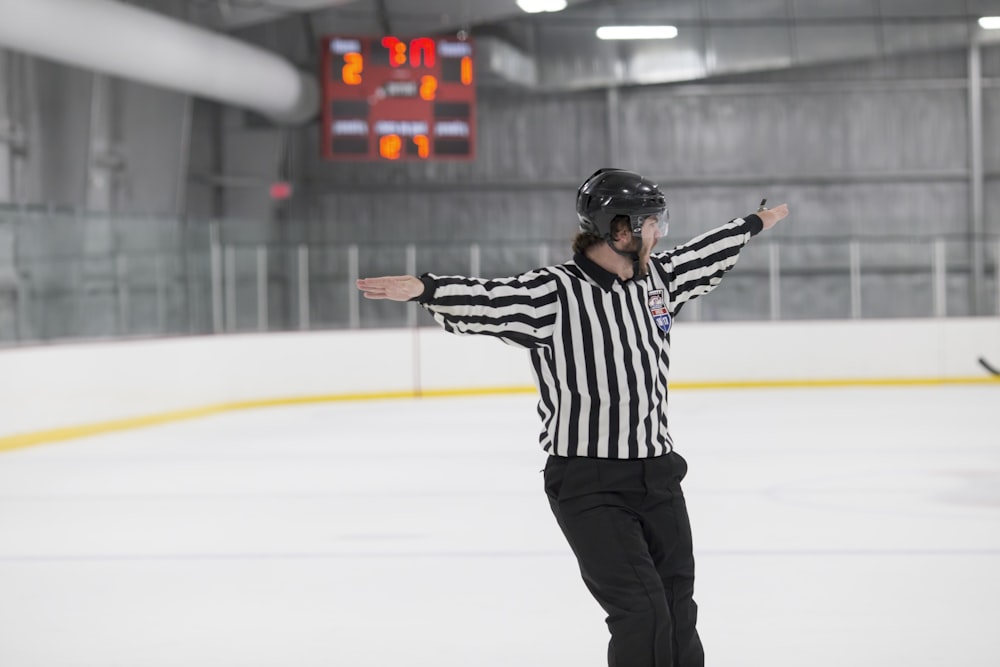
[599, 346]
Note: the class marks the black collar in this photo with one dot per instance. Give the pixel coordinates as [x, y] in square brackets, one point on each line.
[598, 274]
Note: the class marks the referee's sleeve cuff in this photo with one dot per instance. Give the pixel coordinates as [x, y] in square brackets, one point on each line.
[754, 223]
[429, 286]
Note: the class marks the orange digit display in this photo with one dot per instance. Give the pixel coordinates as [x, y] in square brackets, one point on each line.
[467, 70]
[423, 145]
[389, 146]
[428, 87]
[397, 50]
[354, 64]
[422, 46]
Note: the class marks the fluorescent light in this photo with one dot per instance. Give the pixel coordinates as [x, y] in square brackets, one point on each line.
[636, 32]
[536, 6]
[990, 22]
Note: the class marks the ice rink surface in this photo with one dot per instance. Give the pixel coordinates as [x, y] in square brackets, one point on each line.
[833, 527]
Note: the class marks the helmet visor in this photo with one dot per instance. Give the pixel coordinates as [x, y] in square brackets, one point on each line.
[661, 219]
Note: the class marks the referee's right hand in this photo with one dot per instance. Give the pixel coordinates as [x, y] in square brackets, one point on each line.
[394, 288]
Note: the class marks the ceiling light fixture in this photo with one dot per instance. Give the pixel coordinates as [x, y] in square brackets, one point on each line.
[636, 32]
[990, 22]
[536, 6]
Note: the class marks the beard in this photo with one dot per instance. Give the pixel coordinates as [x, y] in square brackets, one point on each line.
[642, 248]
[643, 264]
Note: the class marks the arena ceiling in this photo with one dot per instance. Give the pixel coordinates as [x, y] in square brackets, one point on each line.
[560, 49]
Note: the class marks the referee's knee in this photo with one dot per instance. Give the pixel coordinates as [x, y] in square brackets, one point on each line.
[639, 614]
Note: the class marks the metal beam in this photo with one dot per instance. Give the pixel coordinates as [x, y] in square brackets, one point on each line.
[613, 118]
[675, 181]
[382, 13]
[6, 132]
[12, 139]
[775, 87]
[977, 244]
[104, 162]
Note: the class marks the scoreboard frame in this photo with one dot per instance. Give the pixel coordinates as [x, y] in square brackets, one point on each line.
[386, 99]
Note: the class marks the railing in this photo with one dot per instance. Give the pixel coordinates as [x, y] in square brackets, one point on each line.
[202, 284]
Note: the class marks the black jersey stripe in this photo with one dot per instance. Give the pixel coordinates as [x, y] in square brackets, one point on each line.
[529, 281]
[497, 302]
[641, 322]
[611, 353]
[588, 404]
[571, 355]
[720, 260]
[510, 319]
[546, 404]
[629, 448]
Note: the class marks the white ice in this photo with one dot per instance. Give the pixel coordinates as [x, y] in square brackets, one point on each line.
[833, 527]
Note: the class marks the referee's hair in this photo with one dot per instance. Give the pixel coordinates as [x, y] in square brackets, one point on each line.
[584, 240]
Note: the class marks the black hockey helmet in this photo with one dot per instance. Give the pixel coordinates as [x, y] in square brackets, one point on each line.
[609, 193]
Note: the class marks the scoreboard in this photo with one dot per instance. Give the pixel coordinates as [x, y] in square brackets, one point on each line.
[389, 99]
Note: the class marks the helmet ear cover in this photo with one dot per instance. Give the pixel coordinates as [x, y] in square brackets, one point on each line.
[609, 193]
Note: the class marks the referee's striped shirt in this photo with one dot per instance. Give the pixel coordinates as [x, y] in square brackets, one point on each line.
[600, 346]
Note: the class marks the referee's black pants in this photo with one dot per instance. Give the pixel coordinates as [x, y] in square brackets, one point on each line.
[628, 525]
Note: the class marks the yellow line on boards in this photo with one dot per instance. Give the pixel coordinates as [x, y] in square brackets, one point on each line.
[19, 441]
[12, 442]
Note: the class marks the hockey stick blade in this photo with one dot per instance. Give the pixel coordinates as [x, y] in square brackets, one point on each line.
[985, 364]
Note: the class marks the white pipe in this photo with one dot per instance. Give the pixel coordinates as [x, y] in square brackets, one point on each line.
[133, 43]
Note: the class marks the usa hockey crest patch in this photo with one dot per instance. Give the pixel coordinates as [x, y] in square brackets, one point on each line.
[658, 309]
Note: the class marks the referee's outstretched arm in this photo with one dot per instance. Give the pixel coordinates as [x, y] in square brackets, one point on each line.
[520, 310]
[407, 288]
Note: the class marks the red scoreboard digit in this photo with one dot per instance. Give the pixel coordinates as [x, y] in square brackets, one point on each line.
[386, 98]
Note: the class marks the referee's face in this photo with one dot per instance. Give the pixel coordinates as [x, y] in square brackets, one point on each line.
[651, 231]
[643, 244]
[648, 235]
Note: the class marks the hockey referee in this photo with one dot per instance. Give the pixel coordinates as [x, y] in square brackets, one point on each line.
[598, 331]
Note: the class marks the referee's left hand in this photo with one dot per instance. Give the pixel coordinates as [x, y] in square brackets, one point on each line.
[771, 216]
[394, 288]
